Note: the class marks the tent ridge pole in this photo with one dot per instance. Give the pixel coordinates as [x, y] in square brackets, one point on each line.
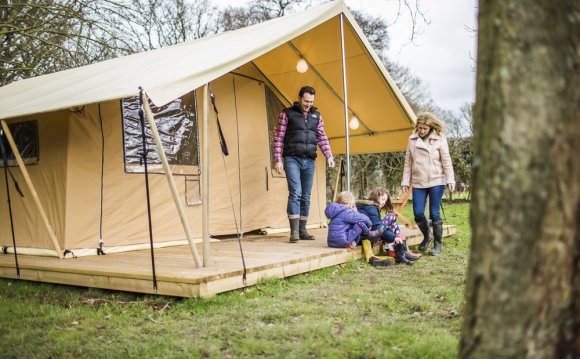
[170, 180]
[26, 176]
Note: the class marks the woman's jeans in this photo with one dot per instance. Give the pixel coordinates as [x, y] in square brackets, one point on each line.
[299, 174]
[420, 195]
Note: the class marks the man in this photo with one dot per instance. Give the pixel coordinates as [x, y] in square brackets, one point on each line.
[300, 130]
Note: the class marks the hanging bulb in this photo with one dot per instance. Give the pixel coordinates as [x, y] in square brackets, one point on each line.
[353, 123]
[302, 66]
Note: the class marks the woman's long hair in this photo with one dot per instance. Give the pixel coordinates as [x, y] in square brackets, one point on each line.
[429, 119]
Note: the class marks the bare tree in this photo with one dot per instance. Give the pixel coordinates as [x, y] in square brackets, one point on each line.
[42, 36]
[523, 286]
[151, 24]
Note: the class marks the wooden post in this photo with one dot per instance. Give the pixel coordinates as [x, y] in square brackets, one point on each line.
[205, 177]
[401, 205]
[337, 179]
[170, 180]
[345, 94]
[26, 176]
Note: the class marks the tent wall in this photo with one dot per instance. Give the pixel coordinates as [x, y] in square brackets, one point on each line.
[277, 186]
[49, 179]
[68, 178]
[73, 145]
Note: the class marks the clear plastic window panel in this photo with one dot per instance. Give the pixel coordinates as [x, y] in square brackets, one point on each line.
[25, 136]
[178, 129]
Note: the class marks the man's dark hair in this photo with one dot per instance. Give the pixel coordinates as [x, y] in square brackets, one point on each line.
[306, 89]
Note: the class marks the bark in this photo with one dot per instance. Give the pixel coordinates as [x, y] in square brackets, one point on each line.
[523, 287]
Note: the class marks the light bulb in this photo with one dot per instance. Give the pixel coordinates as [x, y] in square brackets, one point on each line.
[353, 123]
[302, 66]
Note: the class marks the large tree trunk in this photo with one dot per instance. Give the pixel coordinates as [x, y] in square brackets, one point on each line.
[523, 289]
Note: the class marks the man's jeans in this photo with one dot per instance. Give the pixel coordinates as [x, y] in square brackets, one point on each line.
[299, 174]
[420, 195]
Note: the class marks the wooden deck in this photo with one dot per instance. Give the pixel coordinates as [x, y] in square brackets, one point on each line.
[266, 257]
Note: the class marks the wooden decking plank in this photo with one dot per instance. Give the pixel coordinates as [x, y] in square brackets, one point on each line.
[266, 257]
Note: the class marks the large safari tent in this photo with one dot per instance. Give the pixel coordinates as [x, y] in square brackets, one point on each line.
[78, 136]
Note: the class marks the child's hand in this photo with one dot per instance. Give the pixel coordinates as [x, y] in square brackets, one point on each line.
[398, 240]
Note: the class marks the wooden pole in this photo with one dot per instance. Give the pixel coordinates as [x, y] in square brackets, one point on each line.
[337, 179]
[26, 176]
[346, 130]
[205, 177]
[170, 180]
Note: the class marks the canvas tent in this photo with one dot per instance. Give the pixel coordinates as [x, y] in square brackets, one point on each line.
[75, 133]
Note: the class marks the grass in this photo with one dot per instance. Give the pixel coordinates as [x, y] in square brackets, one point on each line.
[347, 311]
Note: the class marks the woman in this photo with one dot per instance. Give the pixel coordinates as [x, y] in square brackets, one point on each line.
[428, 169]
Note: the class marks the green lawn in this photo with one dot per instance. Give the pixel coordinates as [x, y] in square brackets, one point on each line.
[349, 311]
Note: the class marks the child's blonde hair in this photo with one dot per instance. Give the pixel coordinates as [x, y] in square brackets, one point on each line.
[345, 197]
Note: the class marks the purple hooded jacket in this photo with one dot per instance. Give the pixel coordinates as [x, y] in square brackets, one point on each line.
[342, 229]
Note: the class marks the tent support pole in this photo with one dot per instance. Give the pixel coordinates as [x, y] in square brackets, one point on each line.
[345, 101]
[170, 180]
[205, 177]
[50, 229]
[335, 192]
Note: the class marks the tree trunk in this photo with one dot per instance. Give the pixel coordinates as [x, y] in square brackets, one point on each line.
[523, 287]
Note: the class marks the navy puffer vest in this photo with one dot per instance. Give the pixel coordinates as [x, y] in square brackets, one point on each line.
[300, 138]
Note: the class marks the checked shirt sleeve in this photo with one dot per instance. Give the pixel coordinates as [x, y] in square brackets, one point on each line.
[322, 140]
[279, 136]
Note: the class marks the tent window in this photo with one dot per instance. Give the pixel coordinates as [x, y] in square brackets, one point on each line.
[192, 191]
[273, 108]
[25, 136]
[178, 129]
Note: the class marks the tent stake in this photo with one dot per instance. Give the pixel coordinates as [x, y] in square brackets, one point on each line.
[170, 181]
[26, 176]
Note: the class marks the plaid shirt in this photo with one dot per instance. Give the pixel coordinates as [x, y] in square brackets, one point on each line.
[321, 138]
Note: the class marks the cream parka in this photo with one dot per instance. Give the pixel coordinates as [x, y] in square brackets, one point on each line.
[427, 162]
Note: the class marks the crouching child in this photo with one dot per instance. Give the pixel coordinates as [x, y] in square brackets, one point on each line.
[349, 228]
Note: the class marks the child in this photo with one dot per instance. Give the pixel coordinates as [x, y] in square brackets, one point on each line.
[347, 228]
[379, 199]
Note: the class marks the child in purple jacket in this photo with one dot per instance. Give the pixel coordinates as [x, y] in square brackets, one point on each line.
[348, 228]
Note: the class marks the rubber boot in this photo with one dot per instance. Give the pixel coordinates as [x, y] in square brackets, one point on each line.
[294, 236]
[378, 262]
[303, 234]
[400, 255]
[408, 255]
[438, 236]
[370, 257]
[424, 227]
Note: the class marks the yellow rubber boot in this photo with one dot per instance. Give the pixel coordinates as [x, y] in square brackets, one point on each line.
[368, 249]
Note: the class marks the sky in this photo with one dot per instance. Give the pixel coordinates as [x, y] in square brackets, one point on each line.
[443, 53]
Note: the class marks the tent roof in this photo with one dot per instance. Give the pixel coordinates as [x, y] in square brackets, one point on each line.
[273, 47]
